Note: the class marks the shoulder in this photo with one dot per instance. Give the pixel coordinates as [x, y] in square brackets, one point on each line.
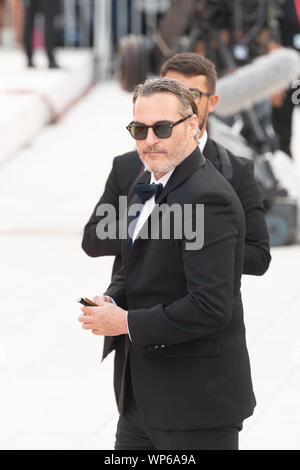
[243, 175]
[241, 164]
[125, 170]
[242, 171]
[206, 185]
[129, 160]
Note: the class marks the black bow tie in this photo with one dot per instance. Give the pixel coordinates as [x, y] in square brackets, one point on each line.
[145, 191]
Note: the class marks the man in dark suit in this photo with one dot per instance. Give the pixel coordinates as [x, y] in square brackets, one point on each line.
[198, 74]
[182, 376]
[50, 9]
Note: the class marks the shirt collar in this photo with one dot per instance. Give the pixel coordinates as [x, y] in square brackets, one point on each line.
[202, 141]
[163, 180]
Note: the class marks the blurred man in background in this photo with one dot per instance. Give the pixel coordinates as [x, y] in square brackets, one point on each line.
[11, 10]
[49, 10]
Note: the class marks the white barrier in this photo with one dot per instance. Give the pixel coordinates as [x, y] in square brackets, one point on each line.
[30, 99]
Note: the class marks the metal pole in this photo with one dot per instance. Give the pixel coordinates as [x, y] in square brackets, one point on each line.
[136, 19]
[69, 23]
[102, 38]
[122, 14]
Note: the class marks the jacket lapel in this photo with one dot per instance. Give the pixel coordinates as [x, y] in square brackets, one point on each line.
[210, 151]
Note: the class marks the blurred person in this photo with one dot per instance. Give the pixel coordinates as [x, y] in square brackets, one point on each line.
[282, 104]
[18, 19]
[3, 20]
[15, 13]
[50, 10]
[286, 34]
[182, 374]
[2, 14]
[199, 75]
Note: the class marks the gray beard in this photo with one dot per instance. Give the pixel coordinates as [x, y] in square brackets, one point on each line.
[181, 153]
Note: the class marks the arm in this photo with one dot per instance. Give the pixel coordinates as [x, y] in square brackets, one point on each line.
[210, 275]
[91, 244]
[117, 289]
[257, 248]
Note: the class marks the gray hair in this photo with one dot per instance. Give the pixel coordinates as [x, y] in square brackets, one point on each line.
[168, 85]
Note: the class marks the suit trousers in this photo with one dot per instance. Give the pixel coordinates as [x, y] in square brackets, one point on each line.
[133, 434]
[49, 11]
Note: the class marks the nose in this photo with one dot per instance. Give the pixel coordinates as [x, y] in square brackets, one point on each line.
[151, 138]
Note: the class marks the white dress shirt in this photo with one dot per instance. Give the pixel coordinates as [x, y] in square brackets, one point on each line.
[202, 141]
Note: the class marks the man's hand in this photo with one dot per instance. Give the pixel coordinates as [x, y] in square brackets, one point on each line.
[106, 319]
[278, 98]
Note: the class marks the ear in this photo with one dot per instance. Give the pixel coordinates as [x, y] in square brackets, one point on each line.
[194, 125]
[212, 103]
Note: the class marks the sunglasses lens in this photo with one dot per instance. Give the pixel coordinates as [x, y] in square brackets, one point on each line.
[138, 132]
[162, 131]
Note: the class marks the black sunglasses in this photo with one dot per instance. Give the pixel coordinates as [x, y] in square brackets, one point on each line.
[197, 94]
[162, 129]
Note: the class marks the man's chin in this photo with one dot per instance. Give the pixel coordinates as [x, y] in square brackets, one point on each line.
[159, 170]
[155, 166]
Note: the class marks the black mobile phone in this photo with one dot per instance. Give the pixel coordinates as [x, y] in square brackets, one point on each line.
[86, 302]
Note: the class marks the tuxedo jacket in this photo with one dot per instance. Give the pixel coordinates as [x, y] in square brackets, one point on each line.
[188, 357]
[127, 167]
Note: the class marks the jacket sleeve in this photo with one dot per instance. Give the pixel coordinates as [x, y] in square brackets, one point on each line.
[212, 273]
[257, 248]
[91, 243]
[117, 289]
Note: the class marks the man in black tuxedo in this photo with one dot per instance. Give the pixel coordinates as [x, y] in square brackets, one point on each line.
[182, 373]
[198, 74]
